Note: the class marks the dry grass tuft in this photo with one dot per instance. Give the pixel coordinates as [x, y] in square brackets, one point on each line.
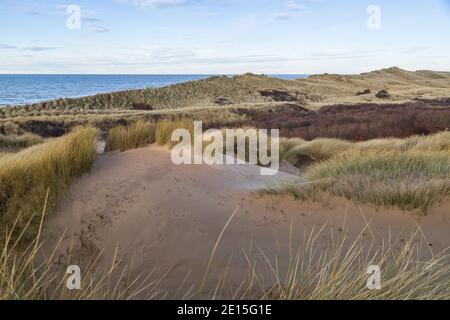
[311, 274]
[26, 177]
[411, 174]
[138, 134]
[29, 274]
[341, 273]
[22, 141]
[165, 128]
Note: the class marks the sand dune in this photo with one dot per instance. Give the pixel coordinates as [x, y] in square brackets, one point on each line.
[167, 217]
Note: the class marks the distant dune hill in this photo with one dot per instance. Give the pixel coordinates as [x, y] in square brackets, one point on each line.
[388, 75]
[395, 73]
[402, 85]
[383, 103]
[313, 92]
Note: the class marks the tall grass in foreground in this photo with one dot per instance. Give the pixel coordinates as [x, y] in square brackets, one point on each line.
[311, 273]
[411, 174]
[23, 141]
[28, 274]
[26, 177]
[341, 273]
[124, 138]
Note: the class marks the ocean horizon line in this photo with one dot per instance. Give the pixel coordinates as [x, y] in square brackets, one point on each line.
[152, 74]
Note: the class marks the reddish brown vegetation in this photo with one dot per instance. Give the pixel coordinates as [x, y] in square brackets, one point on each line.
[278, 95]
[141, 106]
[353, 122]
[350, 122]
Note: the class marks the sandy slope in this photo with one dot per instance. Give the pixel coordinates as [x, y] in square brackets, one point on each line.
[169, 217]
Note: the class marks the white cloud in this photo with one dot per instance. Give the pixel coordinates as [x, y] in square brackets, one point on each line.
[154, 4]
[284, 15]
[293, 5]
[96, 28]
[6, 46]
[38, 48]
[293, 9]
[160, 59]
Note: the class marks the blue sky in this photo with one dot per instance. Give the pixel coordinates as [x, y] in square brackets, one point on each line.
[223, 36]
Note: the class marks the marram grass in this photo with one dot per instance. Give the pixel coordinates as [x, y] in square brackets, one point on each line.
[165, 128]
[22, 141]
[26, 177]
[311, 274]
[410, 174]
[122, 138]
[29, 274]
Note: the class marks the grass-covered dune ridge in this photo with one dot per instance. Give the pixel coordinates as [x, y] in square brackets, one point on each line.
[27, 177]
[249, 88]
[411, 174]
[332, 106]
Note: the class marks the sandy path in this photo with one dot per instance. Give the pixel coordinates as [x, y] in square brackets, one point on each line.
[168, 217]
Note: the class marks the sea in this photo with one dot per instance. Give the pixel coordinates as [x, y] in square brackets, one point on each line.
[26, 88]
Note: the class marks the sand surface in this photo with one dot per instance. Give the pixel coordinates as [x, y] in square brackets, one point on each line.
[166, 219]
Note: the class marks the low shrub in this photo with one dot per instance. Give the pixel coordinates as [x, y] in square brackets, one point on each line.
[21, 141]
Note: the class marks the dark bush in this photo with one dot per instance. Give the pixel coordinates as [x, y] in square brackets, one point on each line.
[352, 122]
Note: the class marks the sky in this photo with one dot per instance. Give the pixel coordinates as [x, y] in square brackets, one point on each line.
[223, 36]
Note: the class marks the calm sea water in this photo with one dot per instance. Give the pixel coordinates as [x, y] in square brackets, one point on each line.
[22, 89]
